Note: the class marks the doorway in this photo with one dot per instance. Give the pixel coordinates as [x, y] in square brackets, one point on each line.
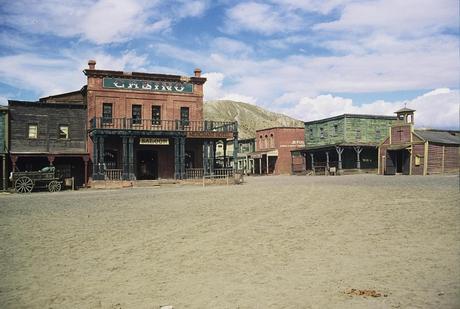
[398, 162]
[147, 165]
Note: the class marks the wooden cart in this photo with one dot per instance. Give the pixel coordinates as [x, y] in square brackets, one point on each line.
[46, 178]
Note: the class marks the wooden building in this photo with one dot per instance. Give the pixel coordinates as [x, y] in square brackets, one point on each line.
[244, 163]
[3, 147]
[347, 143]
[273, 150]
[150, 126]
[50, 132]
[409, 151]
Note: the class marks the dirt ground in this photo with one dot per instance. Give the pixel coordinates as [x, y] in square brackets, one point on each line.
[361, 241]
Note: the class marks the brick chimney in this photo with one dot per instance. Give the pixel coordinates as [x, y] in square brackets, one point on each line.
[197, 72]
[92, 64]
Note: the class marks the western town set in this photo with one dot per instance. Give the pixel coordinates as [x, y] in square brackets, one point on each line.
[126, 126]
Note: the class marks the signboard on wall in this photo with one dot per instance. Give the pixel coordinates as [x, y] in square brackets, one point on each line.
[209, 134]
[146, 85]
[153, 141]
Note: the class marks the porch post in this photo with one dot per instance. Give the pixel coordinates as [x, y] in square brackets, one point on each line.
[205, 157]
[176, 158]
[212, 148]
[124, 158]
[339, 153]
[327, 160]
[182, 157]
[304, 161]
[225, 153]
[132, 176]
[235, 147]
[101, 155]
[260, 165]
[267, 163]
[312, 161]
[358, 150]
[4, 172]
[95, 156]
[85, 161]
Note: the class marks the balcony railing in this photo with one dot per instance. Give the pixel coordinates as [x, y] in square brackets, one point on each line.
[162, 125]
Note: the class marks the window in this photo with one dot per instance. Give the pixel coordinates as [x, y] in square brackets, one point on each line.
[358, 134]
[156, 115]
[378, 135]
[184, 116]
[32, 131]
[107, 113]
[137, 113]
[336, 129]
[272, 141]
[321, 132]
[63, 131]
[311, 133]
[417, 160]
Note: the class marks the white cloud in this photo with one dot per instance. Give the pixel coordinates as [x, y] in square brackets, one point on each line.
[100, 22]
[261, 18]
[408, 17]
[213, 90]
[239, 98]
[436, 109]
[47, 76]
[3, 100]
[320, 6]
[230, 47]
[213, 86]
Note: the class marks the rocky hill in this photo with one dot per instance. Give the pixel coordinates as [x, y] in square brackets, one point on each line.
[250, 117]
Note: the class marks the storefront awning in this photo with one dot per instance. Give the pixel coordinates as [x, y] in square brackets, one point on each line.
[259, 154]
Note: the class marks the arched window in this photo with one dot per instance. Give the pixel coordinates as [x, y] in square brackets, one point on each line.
[272, 141]
[266, 142]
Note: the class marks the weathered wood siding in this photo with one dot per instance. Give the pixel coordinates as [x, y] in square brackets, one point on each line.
[382, 155]
[330, 135]
[418, 150]
[401, 134]
[451, 159]
[366, 131]
[3, 131]
[48, 117]
[435, 154]
[347, 129]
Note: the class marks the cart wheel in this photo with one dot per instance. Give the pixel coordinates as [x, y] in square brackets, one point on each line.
[23, 185]
[54, 186]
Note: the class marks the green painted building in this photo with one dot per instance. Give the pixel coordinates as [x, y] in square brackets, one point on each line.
[344, 142]
[3, 147]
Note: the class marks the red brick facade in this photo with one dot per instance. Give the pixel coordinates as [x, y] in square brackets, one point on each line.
[282, 140]
[121, 108]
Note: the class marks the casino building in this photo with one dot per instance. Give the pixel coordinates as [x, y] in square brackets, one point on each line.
[144, 126]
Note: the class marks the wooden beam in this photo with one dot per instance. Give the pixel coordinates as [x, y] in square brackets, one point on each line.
[425, 159]
[443, 158]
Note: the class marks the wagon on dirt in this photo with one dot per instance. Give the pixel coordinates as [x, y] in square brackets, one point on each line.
[46, 178]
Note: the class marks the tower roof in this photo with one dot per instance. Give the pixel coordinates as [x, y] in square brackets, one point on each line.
[405, 110]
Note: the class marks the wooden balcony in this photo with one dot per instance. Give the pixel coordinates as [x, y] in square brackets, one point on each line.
[162, 125]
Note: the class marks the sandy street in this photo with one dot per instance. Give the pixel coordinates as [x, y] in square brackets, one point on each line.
[273, 242]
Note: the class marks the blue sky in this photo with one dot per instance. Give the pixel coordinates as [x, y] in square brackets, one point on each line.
[306, 58]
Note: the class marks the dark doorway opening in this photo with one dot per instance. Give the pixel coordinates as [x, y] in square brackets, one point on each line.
[147, 165]
[189, 159]
[398, 162]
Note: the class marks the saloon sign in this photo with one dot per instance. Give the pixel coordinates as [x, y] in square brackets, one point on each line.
[153, 141]
[147, 85]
